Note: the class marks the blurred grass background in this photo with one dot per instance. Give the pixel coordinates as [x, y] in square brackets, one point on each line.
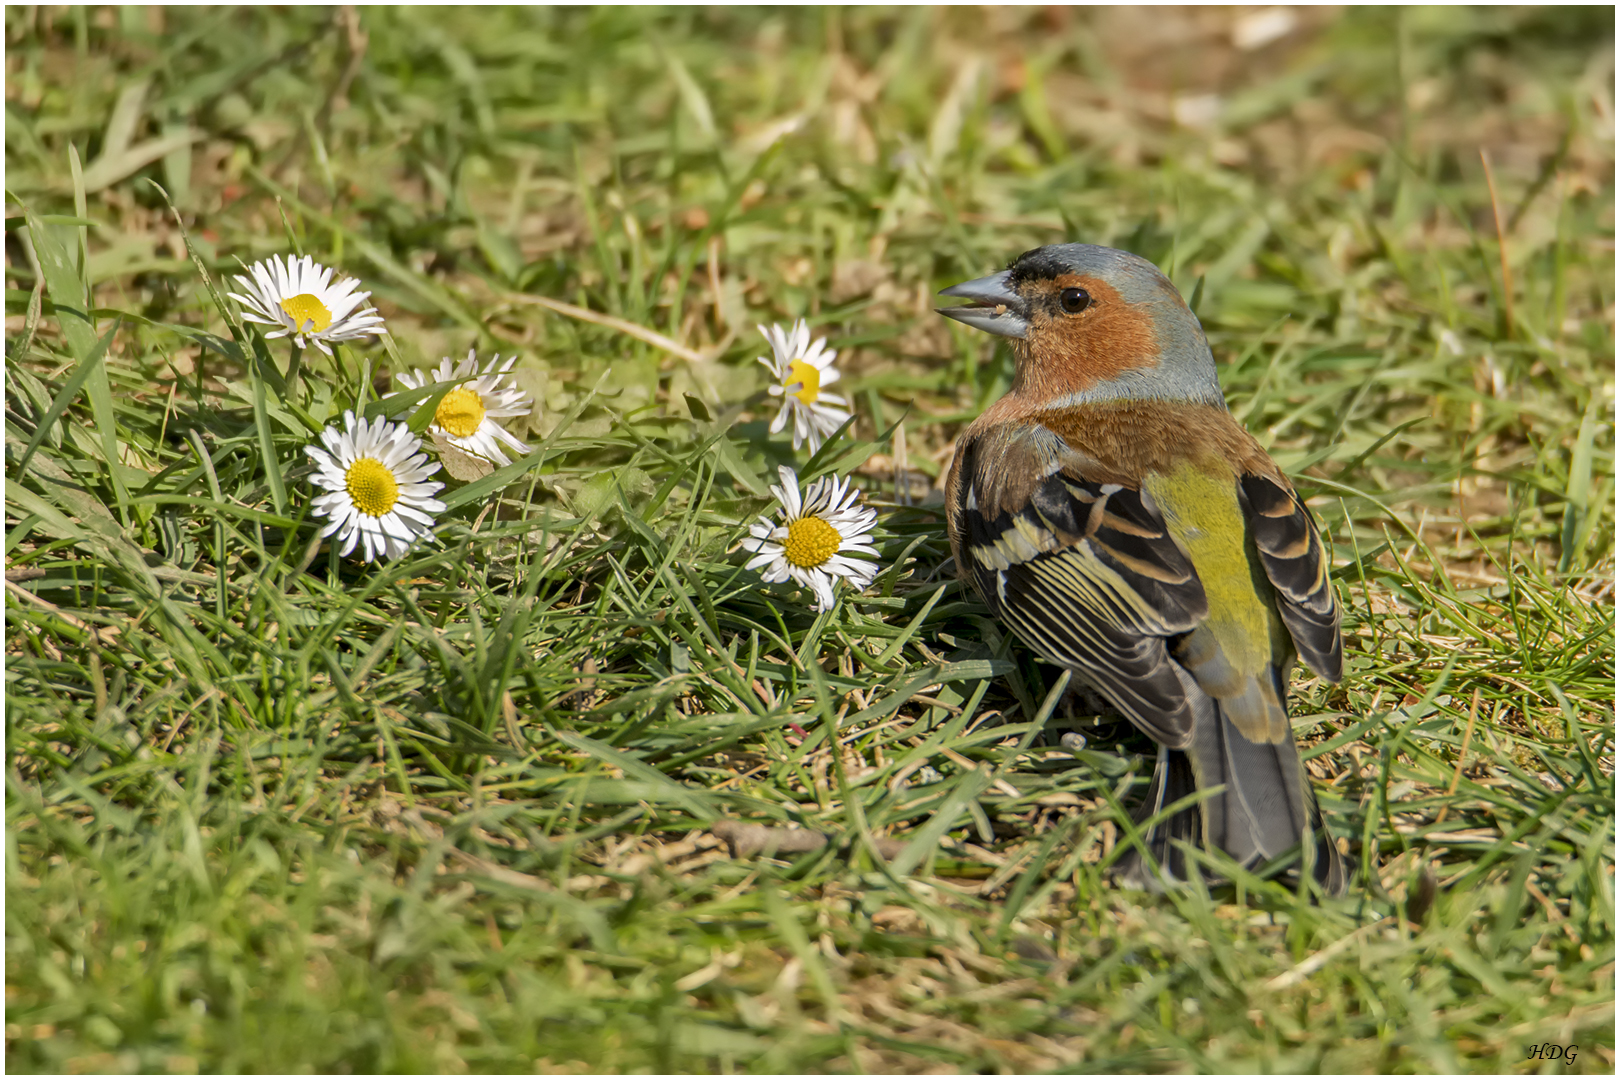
[455, 814]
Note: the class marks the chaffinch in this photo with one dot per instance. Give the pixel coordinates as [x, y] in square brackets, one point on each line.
[1115, 515]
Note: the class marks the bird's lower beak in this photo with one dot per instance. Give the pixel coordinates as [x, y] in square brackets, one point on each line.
[993, 306]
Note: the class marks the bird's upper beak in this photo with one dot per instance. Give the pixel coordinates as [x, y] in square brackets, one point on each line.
[994, 307]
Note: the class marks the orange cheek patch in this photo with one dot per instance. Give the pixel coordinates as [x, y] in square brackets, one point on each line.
[1109, 338]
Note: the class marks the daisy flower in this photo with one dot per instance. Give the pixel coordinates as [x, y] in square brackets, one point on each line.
[802, 369]
[297, 296]
[373, 475]
[811, 543]
[466, 416]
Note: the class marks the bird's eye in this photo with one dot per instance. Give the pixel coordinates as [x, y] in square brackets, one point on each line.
[1074, 301]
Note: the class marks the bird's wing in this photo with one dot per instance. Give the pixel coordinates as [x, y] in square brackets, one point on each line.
[1296, 561]
[1085, 571]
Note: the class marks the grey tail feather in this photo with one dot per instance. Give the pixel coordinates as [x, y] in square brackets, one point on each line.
[1268, 806]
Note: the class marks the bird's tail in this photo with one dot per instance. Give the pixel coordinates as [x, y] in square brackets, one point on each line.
[1267, 806]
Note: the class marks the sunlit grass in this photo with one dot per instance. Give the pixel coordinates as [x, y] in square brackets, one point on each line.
[270, 810]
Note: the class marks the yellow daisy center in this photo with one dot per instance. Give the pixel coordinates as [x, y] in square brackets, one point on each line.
[810, 542]
[461, 412]
[306, 308]
[372, 486]
[806, 377]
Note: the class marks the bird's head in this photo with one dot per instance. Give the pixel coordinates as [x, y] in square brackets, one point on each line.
[1091, 323]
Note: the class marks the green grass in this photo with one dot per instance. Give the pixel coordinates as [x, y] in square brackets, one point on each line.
[273, 811]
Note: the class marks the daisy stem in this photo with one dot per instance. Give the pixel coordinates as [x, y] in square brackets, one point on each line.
[294, 367]
[364, 384]
[343, 369]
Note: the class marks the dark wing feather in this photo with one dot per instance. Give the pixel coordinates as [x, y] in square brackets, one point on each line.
[1296, 561]
[1087, 575]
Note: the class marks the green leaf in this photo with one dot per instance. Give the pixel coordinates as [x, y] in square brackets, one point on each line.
[1578, 490]
[922, 843]
[64, 397]
[425, 400]
[68, 291]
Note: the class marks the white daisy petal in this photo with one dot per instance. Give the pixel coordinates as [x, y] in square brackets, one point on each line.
[765, 558]
[375, 493]
[817, 533]
[802, 370]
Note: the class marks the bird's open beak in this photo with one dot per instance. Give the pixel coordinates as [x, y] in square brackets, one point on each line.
[993, 307]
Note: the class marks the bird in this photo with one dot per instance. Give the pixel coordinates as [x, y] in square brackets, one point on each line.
[1112, 511]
